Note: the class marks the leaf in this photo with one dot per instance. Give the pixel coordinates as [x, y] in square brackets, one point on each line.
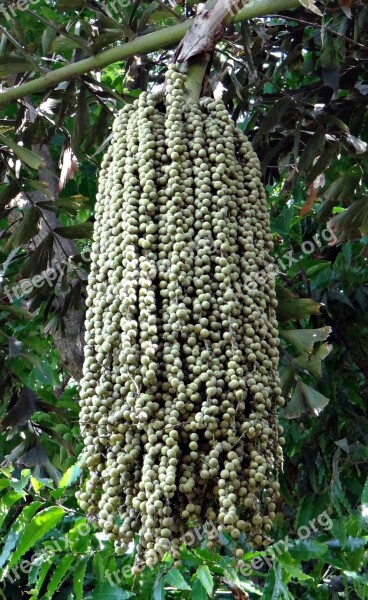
[9, 191]
[48, 36]
[39, 259]
[292, 570]
[308, 549]
[15, 347]
[19, 484]
[17, 527]
[7, 502]
[305, 400]
[352, 223]
[4, 483]
[14, 64]
[311, 199]
[78, 578]
[198, 591]
[159, 589]
[31, 159]
[22, 410]
[303, 340]
[204, 575]
[58, 575]
[274, 587]
[34, 457]
[80, 122]
[313, 149]
[68, 205]
[274, 116]
[312, 363]
[310, 5]
[45, 567]
[41, 524]
[79, 231]
[26, 229]
[176, 580]
[96, 135]
[312, 194]
[78, 537]
[106, 591]
[68, 165]
[15, 311]
[364, 498]
[155, 13]
[70, 476]
[296, 308]
[63, 44]
[310, 507]
[359, 146]
[338, 530]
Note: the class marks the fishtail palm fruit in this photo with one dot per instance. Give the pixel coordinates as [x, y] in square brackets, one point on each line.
[180, 388]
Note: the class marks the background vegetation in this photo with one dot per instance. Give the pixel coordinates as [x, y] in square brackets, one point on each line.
[297, 83]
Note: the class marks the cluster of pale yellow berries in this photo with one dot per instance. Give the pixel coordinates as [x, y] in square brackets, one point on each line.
[180, 388]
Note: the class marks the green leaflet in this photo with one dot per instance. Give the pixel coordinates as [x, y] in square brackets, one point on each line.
[78, 231]
[296, 308]
[365, 495]
[70, 476]
[6, 502]
[58, 575]
[305, 400]
[31, 159]
[205, 577]
[275, 588]
[17, 527]
[14, 64]
[105, 591]
[175, 579]
[40, 524]
[78, 578]
[198, 591]
[303, 340]
[41, 578]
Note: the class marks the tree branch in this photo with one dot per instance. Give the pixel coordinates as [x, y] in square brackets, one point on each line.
[141, 45]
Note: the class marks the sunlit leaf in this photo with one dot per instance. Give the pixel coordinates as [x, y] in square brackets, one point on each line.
[58, 574]
[303, 340]
[78, 578]
[204, 575]
[39, 525]
[310, 5]
[31, 159]
[175, 579]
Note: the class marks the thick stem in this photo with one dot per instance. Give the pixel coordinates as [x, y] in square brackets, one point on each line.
[141, 45]
[208, 28]
[195, 76]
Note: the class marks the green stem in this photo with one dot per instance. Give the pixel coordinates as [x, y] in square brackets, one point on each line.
[195, 76]
[144, 44]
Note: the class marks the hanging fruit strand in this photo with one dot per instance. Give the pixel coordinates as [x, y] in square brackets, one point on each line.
[180, 390]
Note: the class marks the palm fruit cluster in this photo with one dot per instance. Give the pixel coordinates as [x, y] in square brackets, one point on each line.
[180, 388]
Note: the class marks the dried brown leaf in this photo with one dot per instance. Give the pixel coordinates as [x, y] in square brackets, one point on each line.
[68, 165]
